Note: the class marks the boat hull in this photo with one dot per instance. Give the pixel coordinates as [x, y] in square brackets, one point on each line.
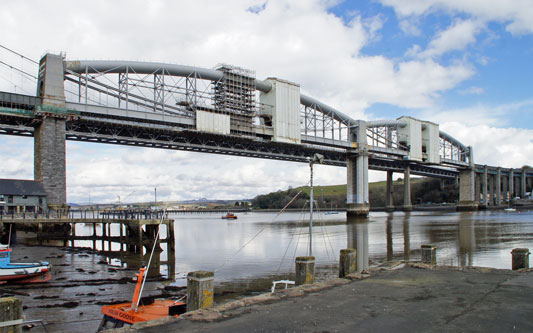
[25, 273]
[119, 315]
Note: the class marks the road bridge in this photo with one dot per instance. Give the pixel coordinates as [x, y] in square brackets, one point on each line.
[227, 110]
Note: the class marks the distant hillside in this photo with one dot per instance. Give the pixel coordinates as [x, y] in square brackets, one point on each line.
[423, 190]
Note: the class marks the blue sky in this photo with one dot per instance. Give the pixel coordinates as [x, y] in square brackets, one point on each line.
[464, 64]
[501, 61]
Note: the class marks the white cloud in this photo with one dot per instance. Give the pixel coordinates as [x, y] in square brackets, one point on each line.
[410, 26]
[295, 40]
[472, 91]
[477, 115]
[517, 15]
[457, 37]
[505, 147]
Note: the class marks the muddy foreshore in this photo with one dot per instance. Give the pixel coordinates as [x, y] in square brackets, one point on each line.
[82, 281]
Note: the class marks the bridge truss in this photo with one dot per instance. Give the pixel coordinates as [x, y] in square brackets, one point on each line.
[156, 105]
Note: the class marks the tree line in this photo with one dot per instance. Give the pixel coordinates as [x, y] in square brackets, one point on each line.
[423, 190]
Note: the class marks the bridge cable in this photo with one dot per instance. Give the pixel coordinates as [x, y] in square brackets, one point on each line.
[14, 84]
[18, 70]
[20, 55]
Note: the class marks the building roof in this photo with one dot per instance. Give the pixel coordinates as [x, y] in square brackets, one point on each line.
[21, 187]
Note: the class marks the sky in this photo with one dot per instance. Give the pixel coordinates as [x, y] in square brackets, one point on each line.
[464, 64]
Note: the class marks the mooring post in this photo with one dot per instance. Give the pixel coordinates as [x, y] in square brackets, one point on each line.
[305, 270]
[121, 235]
[200, 286]
[103, 235]
[429, 254]
[10, 314]
[520, 258]
[94, 236]
[170, 233]
[347, 262]
[140, 241]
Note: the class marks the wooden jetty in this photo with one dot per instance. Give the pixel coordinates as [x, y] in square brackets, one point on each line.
[136, 229]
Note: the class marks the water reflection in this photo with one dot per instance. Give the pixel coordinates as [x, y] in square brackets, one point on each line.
[357, 230]
[390, 248]
[259, 247]
[406, 242]
[467, 242]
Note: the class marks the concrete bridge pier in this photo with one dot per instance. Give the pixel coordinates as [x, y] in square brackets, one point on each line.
[492, 190]
[484, 187]
[529, 183]
[498, 185]
[511, 185]
[477, 196]
[523, 183]
[505, 188]
[357, 202]
[469, 188]
[407, 206]
[49, 139]
[467, 191]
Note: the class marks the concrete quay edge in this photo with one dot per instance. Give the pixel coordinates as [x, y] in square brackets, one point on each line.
[237, 307]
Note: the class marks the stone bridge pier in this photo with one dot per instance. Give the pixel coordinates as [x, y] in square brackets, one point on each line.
[49, 138]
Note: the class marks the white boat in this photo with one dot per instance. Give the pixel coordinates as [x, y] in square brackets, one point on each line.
[22, 272]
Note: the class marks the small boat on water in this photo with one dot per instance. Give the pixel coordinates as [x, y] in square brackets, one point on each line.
[22, 272]
[229, 216]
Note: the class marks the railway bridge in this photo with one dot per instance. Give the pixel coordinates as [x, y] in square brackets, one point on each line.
[227, 110]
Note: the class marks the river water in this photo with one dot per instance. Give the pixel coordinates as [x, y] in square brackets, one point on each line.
[259, 244]
[247, 254]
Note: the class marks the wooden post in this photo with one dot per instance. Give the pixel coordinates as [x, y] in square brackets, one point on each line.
[200, 285]
[103, 235]
[10, 313]
[140, 243]
[94, 236]
[170, 234]
[121, 226]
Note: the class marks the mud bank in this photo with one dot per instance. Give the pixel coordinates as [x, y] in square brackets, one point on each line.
[82, 281]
